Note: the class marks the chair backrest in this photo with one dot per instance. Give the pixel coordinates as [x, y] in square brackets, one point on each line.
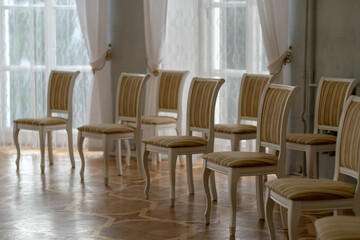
[330, 99]
[348, 144]
[273, 115]
[201, 106]
[60, 93]
[169, 91]
[251, 88]
[130, 92]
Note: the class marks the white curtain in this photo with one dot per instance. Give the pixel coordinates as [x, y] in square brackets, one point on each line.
[274, 24]
[155, 12]
[93, 18]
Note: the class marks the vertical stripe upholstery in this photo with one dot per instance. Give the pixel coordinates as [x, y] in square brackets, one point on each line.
[272, 114]
[200, 103]
[129, 92]
[350, 138]
[169, 87]
[252, 88]
[60, 90]
[332, 96]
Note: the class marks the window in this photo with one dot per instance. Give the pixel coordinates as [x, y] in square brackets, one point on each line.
[231, 44]
[36, 37]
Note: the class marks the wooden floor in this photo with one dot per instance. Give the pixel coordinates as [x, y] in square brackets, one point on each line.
[57, 205]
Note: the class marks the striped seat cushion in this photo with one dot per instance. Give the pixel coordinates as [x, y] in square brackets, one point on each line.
[235, 128]
[241, 159]
[107, 128]
[157, 120]
[310, 139]
[338, 227]
[176, 141]
[311, 189]
[43, 121]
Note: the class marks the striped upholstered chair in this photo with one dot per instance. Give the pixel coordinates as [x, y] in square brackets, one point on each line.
[251, 88]
[330, 98]
[200, 118]
[308, 194]
[272, 122]
[338, 228]
[168, 100]
[59, 100]
[130, 92]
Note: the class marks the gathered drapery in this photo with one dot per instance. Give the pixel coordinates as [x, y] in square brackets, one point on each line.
[274, 24]
[94, 27]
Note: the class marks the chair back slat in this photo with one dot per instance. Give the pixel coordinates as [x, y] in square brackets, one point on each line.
[252, 86]
[169, 89]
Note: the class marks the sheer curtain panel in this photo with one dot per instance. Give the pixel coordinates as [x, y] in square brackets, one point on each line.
[274, 25]
[93, 18]
[37, 36]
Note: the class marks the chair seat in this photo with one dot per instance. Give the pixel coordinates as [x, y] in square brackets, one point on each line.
[241, 159]
[235, 128]
[41, 121]
[338, 227]
[311, 189]
[157, 120]
[310, 139]
[107, 128]
[176, 141]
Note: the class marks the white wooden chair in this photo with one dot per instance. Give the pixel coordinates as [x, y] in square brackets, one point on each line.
[130, 92]
[306, 194]
[330, 98]
[168, 100]
[271, 133]
[200, 117]
[251, 88]
[337, 228]
[59, 100]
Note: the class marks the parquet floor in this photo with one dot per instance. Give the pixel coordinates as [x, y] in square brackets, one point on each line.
[57, 205]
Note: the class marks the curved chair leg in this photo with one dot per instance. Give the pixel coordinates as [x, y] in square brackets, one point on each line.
[206, 176]
[294, 213]
[50, 152]
[269, 208]
[146, 170]
[213, 186]
[138, 157]
[172, 166]
[81, 153]
[311, 158]
[71, 146]
[106, 143]
[42, 134]
[189, 171]
[16, 142]
[235, 141]
[128, 151]
[118, 157]
[284, 217]
[260, 196]
[232, 182]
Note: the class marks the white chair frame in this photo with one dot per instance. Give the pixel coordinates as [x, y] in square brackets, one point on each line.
[291, 220]
[188, 151]
[311, 151]
[47, 129]
[154, 129]
[234, 173]
[235, 138]
[108, 138]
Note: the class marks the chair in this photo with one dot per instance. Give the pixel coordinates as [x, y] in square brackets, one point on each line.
[251, 88]
[169, 98]
[59, 100]
[330, 98]
[272, 122]
[337, 228]
[130, 92]
[308, 194]
[200, 117]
